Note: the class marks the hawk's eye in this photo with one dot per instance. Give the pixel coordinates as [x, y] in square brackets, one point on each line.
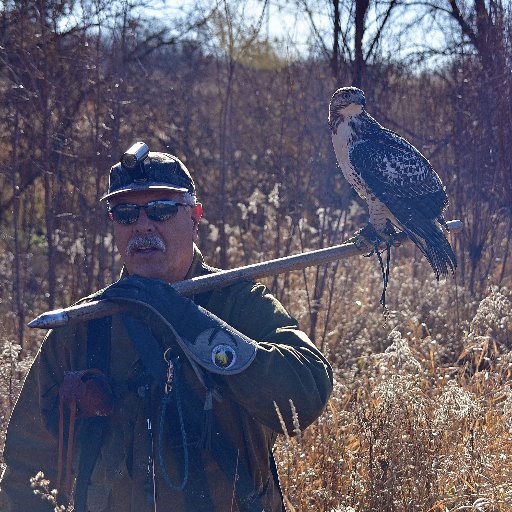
[345, 95]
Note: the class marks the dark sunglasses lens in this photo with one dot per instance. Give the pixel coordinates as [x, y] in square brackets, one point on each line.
[125, 213]
[160, 211]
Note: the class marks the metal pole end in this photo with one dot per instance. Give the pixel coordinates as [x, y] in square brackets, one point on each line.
[55, 318]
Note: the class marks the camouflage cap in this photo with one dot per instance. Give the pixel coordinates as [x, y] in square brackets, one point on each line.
[158, 171]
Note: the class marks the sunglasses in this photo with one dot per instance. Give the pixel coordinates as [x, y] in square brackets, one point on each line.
[159, 211]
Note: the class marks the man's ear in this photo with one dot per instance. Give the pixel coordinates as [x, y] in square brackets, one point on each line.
[197, 213]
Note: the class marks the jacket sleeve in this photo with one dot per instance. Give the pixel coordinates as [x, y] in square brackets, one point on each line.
[288, 372]
[32, 435]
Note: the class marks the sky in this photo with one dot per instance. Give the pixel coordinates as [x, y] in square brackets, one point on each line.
[284, 22]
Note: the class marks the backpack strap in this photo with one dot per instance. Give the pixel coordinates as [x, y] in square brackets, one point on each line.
[99, 341]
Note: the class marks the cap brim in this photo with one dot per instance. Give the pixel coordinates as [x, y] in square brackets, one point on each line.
[134, 187]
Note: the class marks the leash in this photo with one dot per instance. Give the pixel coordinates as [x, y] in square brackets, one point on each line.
[172, 388]
[384, 271]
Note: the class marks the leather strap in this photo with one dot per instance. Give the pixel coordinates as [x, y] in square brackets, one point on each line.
[146, 347]
[99, 341]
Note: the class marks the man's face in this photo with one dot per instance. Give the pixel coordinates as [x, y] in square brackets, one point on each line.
[160, 250]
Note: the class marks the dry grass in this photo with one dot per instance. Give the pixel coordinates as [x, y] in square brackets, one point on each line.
[410, 428]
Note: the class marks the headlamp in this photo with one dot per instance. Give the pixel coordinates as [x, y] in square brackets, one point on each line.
[135, 155]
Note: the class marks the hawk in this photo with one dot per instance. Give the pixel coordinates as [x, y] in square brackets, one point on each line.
[396, 181]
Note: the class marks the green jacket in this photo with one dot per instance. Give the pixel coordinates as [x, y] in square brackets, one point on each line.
[287, 368]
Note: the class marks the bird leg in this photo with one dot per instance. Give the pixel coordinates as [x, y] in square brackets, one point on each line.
[390, 235]
[369, 239]
[366, 239]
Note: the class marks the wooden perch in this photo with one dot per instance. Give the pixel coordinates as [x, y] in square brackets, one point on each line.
[101, 308]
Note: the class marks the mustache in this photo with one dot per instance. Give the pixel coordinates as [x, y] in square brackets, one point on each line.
[149, 241]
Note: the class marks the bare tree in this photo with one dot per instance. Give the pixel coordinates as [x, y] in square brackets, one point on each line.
[353, 41]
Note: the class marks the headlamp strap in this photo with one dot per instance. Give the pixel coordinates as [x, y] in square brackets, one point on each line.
[139, 172]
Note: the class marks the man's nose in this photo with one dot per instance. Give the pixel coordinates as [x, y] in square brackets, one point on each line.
[144, 223]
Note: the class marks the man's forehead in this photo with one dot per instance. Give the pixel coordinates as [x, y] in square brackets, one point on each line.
[143, 196]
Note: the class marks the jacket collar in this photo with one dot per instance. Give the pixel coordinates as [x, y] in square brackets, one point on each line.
[197, 265]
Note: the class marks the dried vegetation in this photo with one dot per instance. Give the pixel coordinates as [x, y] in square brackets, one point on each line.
[420, 425]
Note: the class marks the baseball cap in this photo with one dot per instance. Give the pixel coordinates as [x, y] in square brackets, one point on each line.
[148, 170]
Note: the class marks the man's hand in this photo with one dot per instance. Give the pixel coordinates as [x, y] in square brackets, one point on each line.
[204, 338]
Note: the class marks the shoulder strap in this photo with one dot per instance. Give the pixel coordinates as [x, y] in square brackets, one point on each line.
[99, 344]
[146, 346]
[91, 433]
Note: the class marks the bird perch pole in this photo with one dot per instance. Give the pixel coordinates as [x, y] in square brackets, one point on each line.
[101, 308]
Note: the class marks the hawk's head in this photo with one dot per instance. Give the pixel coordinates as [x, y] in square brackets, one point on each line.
[347, 101]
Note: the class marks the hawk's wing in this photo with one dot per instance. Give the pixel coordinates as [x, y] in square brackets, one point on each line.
[399, 176]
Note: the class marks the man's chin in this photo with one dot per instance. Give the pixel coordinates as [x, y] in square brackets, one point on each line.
[151, 269]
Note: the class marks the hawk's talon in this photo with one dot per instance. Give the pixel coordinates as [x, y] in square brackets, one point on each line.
[366, 239]
[391, 234]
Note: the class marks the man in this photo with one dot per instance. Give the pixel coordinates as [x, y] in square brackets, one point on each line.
[175, 404]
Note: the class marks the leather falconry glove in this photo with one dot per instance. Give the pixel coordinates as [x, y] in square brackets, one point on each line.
[204, 338]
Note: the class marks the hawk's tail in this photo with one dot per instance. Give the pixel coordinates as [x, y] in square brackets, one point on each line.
[432, 242]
